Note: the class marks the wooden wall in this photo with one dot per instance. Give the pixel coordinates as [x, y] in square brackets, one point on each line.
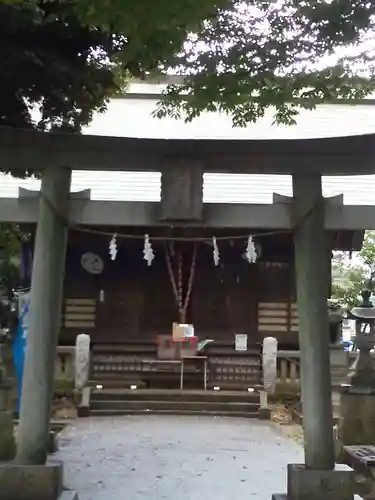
[139, 301]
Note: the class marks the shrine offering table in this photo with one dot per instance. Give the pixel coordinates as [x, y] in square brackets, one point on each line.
[194, 359]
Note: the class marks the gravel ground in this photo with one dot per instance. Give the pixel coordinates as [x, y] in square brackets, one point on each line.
[175, 458]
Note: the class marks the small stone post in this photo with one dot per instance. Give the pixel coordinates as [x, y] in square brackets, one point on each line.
[269, 375]
[82, 361]
[269, 364]
[45, 312]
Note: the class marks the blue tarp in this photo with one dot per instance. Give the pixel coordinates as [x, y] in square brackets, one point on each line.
[19, 343]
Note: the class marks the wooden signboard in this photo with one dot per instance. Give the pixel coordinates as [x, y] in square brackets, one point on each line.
[182, 192]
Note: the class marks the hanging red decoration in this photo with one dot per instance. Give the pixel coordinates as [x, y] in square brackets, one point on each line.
[182, 299]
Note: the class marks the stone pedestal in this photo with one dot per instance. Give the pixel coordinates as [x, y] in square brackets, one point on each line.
[357, 416]
[339, 371]
[7, 441]
[29, 482]
[315, 484]
[339, 360]
[24, 482]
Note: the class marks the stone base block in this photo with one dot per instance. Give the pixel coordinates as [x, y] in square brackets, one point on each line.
[68, 495]
[84, 405]
[25, 482]
[357, 418]
[83, 411]
[264, 414]
[53, 444]
[315, 484]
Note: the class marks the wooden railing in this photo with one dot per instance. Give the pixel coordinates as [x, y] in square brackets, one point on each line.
[288, 367]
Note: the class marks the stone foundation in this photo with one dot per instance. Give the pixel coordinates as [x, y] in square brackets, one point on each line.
[357, 417]
[264, 414]
[339, 361]
[26, 482]
[315, 484]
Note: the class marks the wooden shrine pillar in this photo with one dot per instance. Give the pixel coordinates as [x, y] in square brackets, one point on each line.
[45, 311]
[311, 246]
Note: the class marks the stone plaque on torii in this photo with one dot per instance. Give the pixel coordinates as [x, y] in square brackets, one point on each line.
[181, 195]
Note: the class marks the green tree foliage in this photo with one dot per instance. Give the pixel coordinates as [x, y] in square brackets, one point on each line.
[70, 56]
[66, 58]
[350, 277]
[52, 61]
[286, 54]
[11, 237]
[141, 21]
[61, 60]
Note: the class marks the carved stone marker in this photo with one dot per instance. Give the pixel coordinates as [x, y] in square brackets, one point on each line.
[269, 364]
[82, 361]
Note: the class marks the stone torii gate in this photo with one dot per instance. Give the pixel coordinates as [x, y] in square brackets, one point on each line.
[182, 164]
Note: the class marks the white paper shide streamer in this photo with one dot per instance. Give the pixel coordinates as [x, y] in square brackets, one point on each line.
[269, 364]
[215, 253]
[251, 252]
[148, 253]
[113, 247]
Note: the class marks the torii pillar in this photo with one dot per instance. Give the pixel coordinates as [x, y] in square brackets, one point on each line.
[318, 477]
[31, 475]
[45, 314]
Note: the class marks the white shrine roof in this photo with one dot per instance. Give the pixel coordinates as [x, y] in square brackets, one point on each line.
[132, 117]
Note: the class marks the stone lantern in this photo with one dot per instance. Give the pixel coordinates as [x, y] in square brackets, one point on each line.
[357, 411]
[362, 373]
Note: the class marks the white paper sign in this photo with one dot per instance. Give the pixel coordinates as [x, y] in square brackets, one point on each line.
[241, 342]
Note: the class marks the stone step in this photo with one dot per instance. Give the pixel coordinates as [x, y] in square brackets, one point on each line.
[174, 395]
[117, 384]
[238, 414]
[217, 406]
[172, 382]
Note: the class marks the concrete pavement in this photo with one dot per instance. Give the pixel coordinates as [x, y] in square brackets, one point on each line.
[176, 458]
